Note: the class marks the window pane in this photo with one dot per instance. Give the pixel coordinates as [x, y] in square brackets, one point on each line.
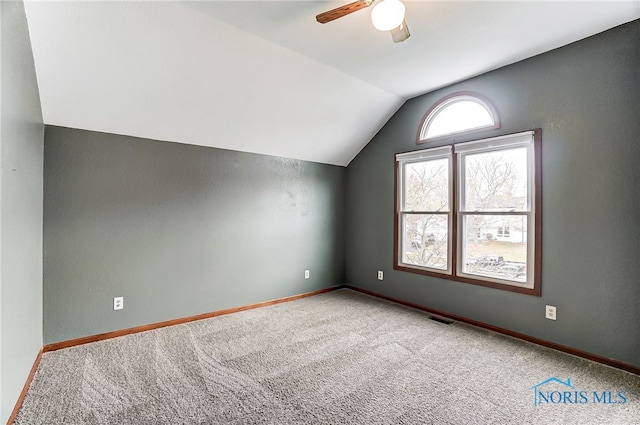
[425, 240]
[459, 116]
[426, 186]
[495, 246]
[496, 181]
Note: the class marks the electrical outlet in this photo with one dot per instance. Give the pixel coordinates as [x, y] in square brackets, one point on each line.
[306, 274]
[380, 275]
[550, 312]
[118, 303]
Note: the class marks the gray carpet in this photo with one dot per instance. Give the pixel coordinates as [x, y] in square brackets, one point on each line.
[337, 358]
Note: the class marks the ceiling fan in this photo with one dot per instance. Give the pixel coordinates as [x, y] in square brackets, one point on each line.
[386, 15]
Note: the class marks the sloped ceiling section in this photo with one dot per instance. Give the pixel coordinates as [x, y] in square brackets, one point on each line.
[165, 71]
[450, 41]
[264, 77]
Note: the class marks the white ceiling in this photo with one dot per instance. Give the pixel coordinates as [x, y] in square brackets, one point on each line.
[264, 77]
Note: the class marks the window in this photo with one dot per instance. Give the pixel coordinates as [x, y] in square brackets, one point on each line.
[504, 232]
[426, 209]
[458, 113]
[471, 212]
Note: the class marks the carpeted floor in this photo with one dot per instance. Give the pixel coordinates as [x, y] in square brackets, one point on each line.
[336, 358]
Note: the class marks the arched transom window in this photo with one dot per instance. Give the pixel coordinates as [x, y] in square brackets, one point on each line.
[458, 113]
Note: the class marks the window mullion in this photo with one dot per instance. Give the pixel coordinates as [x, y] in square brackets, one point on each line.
[454, 227]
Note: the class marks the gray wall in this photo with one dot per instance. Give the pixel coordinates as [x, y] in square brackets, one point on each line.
[586, 99]
[179, 230]
[21, 153]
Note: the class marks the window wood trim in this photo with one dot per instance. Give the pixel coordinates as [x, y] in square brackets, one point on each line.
[537, 245]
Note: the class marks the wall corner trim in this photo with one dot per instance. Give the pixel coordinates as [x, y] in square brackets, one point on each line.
[27, 384]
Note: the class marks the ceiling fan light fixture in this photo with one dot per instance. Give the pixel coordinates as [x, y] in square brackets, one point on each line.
[401, 33]
[387, 15]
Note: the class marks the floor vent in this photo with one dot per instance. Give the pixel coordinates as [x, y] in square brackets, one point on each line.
[441, 320]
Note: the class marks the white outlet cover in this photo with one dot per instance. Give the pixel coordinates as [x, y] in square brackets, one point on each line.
[380, 275]
[118, 303]
[550, 312]
[306, 274]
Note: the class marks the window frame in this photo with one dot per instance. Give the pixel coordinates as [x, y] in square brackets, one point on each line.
[456, 247]
[433, 154]
[449, 100]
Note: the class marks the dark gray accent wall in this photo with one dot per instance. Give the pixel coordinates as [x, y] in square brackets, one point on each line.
[586, 99]
[21, 155]
[179, 230]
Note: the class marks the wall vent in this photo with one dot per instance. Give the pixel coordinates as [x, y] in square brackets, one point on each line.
[441, 320]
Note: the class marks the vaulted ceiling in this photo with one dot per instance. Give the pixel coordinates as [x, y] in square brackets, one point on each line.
[264, 77]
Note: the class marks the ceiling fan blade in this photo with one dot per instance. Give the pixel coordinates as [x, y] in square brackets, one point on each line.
[401, 33]
[341, 11]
